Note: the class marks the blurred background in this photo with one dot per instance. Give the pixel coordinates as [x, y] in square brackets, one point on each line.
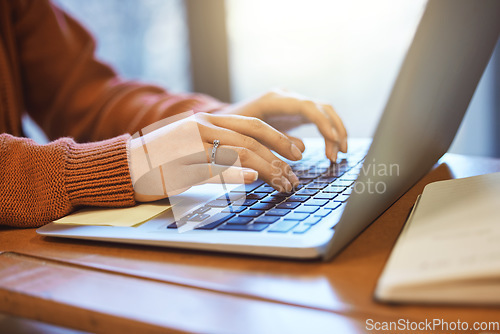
[346, 53]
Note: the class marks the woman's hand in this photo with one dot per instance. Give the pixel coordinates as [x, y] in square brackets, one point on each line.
[285, 110]
[172, 155]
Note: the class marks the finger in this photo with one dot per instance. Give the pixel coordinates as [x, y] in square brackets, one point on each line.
[315, 113]
[298, 142]
[238, 141]
[295, 104]
[230, 140]
[224, 155]
[260, 131]
[331, 150]
[325, 126]
[277, 173]
[269, 171]
[339, 126]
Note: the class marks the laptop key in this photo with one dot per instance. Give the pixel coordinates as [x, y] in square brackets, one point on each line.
[231, 197]
[266, 220]
[311, 220]
[341, 198]
[264, 189]
[326, 196]
[203, 209]
[297, 216]
[277, 212]
[333, 172]
[283, 194]
[327, 179]
[342, 183]
[239, 221]
[307, 192]
[332, 205]
[312, 174]
[348, 178]
[218, 203]
[262, 206]
[316, 202]
[316, 185]
[188, 216]
[322, 213]
[305, 180]
[279, 194]
[288, 205]
[215, 221]
[284, 226]
[199, 217]
[248, 202]
[306, 209]
[348, 191]
[234, 209]
[334, 189]
[273, 199]
[256, 196]
[176, 224]
[296, 198]
[249, 187]
[250, 227]
[301, 228]
[251, 213]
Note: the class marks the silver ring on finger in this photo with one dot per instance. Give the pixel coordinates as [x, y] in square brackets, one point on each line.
[214, 151]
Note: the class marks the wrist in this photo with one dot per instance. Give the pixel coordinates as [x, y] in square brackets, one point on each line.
[97, 174]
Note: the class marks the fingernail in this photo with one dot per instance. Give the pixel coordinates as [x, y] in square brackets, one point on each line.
[249, 175]
[344, 145]
[333, 155]
[296, 152]
[286, 184]
[294, 179]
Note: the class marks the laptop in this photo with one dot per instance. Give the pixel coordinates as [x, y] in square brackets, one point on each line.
[336, 202]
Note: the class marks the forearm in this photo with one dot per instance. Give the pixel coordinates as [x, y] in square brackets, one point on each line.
[40, 183]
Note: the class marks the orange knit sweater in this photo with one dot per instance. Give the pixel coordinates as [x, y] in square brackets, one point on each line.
[48, 70]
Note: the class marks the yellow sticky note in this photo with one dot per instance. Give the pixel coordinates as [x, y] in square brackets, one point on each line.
[124, 217]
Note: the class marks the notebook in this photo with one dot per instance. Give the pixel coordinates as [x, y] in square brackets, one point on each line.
[448, 251]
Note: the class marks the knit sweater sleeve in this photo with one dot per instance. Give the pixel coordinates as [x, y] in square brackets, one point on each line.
[40, 183]
[68, 92]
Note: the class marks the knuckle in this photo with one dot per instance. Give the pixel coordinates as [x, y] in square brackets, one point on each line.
[283, 140]
[199, 127]
[309, 104]
[271, 94]
[250, 143]
[282, 165]
[256, 123]
[203, 115]
[244, 154]
[277, 167]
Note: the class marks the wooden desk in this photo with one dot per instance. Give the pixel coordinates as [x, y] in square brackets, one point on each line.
[100, 287]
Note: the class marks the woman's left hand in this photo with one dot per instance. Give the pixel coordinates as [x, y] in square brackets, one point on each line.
[286, 110]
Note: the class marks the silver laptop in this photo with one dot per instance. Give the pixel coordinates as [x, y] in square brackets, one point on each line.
[336, 202]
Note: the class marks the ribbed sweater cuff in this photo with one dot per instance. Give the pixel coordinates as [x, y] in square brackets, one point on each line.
[97, 174]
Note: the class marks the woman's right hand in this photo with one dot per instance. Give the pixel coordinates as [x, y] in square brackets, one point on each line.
[173, 155]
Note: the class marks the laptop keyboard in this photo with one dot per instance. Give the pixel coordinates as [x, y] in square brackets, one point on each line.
[324, 189]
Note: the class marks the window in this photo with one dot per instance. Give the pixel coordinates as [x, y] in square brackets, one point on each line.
[343, 52]
[146, 40]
